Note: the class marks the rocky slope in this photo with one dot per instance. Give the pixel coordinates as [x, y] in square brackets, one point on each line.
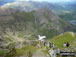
[19, 28]
[41, 21]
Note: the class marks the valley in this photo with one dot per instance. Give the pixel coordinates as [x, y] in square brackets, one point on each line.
[22, 22]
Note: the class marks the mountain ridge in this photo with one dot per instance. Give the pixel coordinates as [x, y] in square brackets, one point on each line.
[44, 18]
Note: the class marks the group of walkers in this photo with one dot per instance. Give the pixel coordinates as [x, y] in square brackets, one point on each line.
[66, 44]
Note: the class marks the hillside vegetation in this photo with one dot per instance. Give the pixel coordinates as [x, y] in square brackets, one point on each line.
[65, 37]
[30, 24]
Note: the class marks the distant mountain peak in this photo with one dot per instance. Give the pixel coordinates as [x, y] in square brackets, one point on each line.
[27, 5]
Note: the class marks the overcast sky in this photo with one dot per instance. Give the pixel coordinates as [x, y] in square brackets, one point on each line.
[41, 0]
[48, 0]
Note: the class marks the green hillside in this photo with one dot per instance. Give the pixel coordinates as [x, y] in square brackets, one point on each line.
[22, 25]
[42, 21]
[61, 39]
[67, 16]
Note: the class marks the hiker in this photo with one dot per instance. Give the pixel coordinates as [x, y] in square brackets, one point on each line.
[67, 44]
[64, 45]
[53, 45]
[49, 44]
[45, 43]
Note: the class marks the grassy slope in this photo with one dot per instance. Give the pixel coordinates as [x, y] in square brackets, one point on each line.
[3, 52]
[25, 50]
[46, 24]
[67, 16]
[20, 52]
[59, 40]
